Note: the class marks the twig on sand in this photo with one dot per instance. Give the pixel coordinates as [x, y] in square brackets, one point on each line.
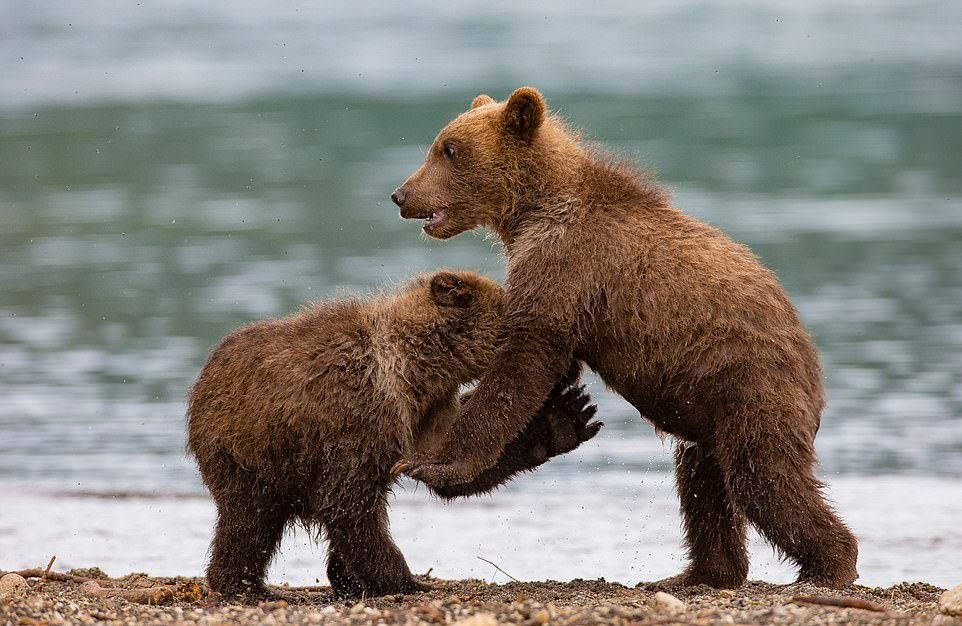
[161, 594]
[843, 602]
[499, 569]
[46, 575]
[46, 572]
[428, 573]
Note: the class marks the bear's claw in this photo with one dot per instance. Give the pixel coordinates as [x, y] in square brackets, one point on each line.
[440, 474]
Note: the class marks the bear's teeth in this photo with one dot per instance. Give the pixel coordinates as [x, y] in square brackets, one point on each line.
[436, 217]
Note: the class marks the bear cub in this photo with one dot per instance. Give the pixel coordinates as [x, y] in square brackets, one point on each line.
[301, 419]
[674, 316]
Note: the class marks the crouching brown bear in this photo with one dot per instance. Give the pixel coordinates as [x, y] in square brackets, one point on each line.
[684, 323]
[302, 418]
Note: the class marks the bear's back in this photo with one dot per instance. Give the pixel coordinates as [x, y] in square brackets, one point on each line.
[272, 387]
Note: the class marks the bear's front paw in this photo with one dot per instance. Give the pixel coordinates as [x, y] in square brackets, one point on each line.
[568, 421]
[438, 474]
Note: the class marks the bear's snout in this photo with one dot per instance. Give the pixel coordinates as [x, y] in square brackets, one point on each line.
[399, 196]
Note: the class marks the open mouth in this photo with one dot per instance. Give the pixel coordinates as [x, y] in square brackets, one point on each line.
[435, 219]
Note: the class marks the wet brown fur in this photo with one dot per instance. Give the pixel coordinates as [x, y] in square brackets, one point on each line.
[684, 323]
[302, 418]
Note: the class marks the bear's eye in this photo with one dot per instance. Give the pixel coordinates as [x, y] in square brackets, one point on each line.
[449, 150]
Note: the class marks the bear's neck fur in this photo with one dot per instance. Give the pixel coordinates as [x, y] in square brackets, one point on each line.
[557, 179]
[417, 361]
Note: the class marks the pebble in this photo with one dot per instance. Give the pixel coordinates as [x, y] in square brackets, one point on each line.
[358, 608]
[91, 588]
[478, 619]
[668, 601]
[541, 616]
[13, 586]
[951, 601]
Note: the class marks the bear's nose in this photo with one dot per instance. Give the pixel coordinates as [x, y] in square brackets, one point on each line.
[398, 196]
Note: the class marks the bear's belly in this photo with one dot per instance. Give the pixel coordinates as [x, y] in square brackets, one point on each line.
[678, 417]
[644, 388]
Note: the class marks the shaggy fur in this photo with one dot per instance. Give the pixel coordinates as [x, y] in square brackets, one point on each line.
[302, 418]
[681, 321]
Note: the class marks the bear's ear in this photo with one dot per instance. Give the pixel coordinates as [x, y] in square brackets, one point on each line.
[449, 290]
[523, 113]
[481, 100]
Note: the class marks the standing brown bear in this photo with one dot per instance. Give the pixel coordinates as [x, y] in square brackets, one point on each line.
[302, 418]
[684, 323]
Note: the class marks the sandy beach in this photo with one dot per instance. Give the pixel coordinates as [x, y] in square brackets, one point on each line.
[466, 603]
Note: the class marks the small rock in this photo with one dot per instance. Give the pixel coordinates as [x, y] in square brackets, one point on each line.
[478, 619]
[668, 601]
[541, 616]
[13, 586]
[91, 588]
[272, 605]
[946, 620]
[88, 572]
[950, 603]
[357, 608]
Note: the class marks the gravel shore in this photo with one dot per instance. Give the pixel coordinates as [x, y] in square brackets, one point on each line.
[466, 603]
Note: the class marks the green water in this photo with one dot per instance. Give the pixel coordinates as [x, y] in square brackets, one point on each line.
[165, 178]
[134, 236]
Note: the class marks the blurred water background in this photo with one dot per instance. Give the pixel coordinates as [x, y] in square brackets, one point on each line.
[171, 170]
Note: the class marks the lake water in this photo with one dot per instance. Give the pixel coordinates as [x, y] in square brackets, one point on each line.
[167, 173]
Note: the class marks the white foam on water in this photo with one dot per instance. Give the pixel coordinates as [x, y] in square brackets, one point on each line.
[564, 527]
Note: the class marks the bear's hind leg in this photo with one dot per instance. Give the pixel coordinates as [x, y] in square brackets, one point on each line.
[714, 527]
[770, 474]
[249, 529]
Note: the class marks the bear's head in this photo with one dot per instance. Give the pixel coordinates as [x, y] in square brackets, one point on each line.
[454, 316]
[481, 163]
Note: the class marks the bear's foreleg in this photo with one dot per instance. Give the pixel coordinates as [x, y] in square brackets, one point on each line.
[562, 424]
[343, 584]
[526, 369]
[366, 553]
[249, 529]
